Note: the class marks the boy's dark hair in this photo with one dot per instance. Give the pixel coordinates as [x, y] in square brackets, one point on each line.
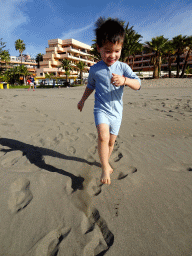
[110, 30]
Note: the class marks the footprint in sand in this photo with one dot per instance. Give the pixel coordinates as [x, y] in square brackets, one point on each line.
[94, 228]
[49, 245]
[73, 137]
[116, 146]
[11, 158]
[97, 233]
[72, 150]
[91, 136]
[37, 110]
[118, 158]
[124, 174]
[58, 138]
[94, 187]
[93, 150]
[86, 225]
[96, 245]
[20, 195]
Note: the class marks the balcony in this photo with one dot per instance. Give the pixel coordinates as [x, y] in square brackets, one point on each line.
[74, 50]
[58, 56]
[46, 63]
[48, 56]
[50, 70]
[60, 49]
[55, 63]
[51, 49]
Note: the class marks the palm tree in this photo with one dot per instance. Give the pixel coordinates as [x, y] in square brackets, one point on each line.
[188, 51]
[39, 58]
[158, 46]
[12, 75]
[125, 53]
[188, 70]
[131, 44]
[81, 66]
[137, 49]
[179, 43]
[5, 57]
[66, 65]
[169, 54]
[24, 72]
[20, 46]
[49, 76]
[7, 76]
[4, 54]
[94, 51]
[2, 45]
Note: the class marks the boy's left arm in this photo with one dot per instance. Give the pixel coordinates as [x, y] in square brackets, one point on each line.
[118, 80]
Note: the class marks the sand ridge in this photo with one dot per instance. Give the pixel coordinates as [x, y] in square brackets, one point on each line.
[52, 202]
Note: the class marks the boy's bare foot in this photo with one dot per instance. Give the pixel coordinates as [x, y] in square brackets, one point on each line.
[111, 169]
[105, 176]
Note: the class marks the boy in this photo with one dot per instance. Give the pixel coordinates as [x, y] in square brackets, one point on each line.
[108, 78]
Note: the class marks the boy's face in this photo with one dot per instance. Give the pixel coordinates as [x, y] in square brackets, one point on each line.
[110, 53]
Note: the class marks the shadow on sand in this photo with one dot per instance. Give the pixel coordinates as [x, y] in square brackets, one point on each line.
[35, 156]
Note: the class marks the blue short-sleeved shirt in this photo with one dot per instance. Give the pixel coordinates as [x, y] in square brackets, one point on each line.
[108, 97]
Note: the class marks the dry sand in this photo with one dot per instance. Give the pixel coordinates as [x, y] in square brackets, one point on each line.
[51, 199]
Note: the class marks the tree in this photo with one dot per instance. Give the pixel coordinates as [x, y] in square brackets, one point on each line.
[136, 50]
[24, 72]
[179, 43]
[125, 53]
[188, 51]
[169, 54]
[94, 51]
[49, 76]
[188, 70]
[12, 75]
[5, 57]
[66, 65]
[20, 46]
[131, 44]
[157, 45]
[2, 45]
[81, 66]
[39, 58]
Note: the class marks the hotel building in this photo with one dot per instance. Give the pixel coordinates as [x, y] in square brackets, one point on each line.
[70, 49]
[142, 62]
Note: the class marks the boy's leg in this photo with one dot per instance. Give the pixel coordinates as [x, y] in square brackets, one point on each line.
[103, 150]
[111, 143]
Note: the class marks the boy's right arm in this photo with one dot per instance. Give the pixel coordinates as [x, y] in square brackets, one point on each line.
[86, 94]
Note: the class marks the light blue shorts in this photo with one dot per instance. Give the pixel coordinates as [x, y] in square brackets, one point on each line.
[113, 122]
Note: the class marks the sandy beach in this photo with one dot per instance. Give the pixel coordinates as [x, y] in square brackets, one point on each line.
[52, 202]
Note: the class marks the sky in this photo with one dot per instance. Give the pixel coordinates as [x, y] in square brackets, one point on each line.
[37, 21]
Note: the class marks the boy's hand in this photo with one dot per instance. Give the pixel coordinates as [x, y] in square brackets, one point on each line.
[117, 80]
[80, 105]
